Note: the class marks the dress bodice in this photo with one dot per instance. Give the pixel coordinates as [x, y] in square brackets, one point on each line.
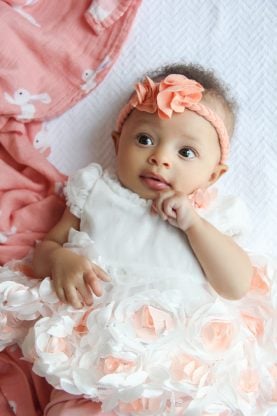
[121, 233]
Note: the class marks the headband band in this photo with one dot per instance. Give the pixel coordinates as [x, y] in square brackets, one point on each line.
[174, 94]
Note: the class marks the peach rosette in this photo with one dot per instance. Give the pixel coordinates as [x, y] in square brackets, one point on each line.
[213, 329]
[12, 330]
[176, 93]
[146, 96]
[22, 301]
[19, 295]
[51, 345]
[149, 316]
[107, 367]
[112, 362]
[246, 382]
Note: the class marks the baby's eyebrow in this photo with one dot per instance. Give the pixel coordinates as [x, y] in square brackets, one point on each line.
[190, 138]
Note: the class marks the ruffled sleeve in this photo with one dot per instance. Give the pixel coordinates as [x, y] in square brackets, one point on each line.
[79, 186]
[229, 215]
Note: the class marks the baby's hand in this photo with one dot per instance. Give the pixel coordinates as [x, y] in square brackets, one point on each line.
[75, 278]
[175, 208]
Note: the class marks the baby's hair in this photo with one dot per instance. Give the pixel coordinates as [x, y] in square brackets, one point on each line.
[214, 87]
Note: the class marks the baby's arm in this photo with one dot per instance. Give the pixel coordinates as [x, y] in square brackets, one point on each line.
[74, 276]
[226, 266]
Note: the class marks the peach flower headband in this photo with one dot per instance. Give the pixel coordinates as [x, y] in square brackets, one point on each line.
[172, 95]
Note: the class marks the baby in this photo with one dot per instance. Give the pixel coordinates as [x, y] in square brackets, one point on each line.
[171, 141]
[160, 336]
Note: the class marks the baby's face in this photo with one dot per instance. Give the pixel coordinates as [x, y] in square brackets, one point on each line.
[155, 155]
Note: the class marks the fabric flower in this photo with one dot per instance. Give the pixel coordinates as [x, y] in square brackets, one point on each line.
[254, 323]
[145, 98]
[12, 330]
[185, 368]
[22, 300]
[210, 329]
[176, 92]
[50, 344]
[202, 198]
[249, 381]
[218, 334]
[108, 372]
[259, 282]
[149, 315]
[150, 322]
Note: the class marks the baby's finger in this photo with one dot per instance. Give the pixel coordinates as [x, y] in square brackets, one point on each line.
[60, 294]
[85, 293]
[160, 204]
[101, 274]
[169, 207]
[72, 297]
[93, 282]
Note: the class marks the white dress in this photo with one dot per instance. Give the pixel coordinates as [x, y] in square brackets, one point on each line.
[160, 341]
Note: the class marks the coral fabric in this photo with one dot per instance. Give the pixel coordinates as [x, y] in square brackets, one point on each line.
[21, 391]
[52, 55]
[29, 190]
[65, 404]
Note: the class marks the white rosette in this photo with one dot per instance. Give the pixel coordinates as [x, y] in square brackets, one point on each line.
[19, 305]
[245, 382]
[12, 330]
[52, 345]
[114, 365]
[213, 330]
[22, 301]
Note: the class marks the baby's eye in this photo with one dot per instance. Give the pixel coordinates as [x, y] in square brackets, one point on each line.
[145, 140]
[187, 153]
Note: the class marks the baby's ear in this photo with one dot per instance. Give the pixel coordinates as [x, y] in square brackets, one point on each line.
[115, 137]
[218, 171]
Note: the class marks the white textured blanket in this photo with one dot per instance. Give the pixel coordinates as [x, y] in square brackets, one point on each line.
[236, 39]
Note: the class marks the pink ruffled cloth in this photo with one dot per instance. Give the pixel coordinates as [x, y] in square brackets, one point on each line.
[22, 392]
[52, 55]
[30, 189]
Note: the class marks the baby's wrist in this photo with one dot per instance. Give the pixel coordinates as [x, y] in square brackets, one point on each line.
[194, 224]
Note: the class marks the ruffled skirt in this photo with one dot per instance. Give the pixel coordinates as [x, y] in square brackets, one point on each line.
[151, 349]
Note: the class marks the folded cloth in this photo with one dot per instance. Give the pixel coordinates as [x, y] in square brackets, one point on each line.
[53, 56]
[21, 391]
[31, 201]
[39, 46]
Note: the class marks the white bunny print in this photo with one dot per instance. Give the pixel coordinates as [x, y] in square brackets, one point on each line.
[19, 9]
[23, 98]
[42, 140]
[89, 75]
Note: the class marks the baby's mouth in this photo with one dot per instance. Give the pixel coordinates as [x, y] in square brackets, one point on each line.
[154, 181]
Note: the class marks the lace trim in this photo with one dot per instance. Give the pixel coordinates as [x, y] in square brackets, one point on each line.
[112, 181]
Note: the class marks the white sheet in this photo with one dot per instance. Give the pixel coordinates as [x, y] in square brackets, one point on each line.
[236, 39]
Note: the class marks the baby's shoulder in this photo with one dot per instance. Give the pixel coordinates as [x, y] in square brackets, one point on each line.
[79, 186]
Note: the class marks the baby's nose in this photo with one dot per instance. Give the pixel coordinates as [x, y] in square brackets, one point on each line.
[160, 158]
